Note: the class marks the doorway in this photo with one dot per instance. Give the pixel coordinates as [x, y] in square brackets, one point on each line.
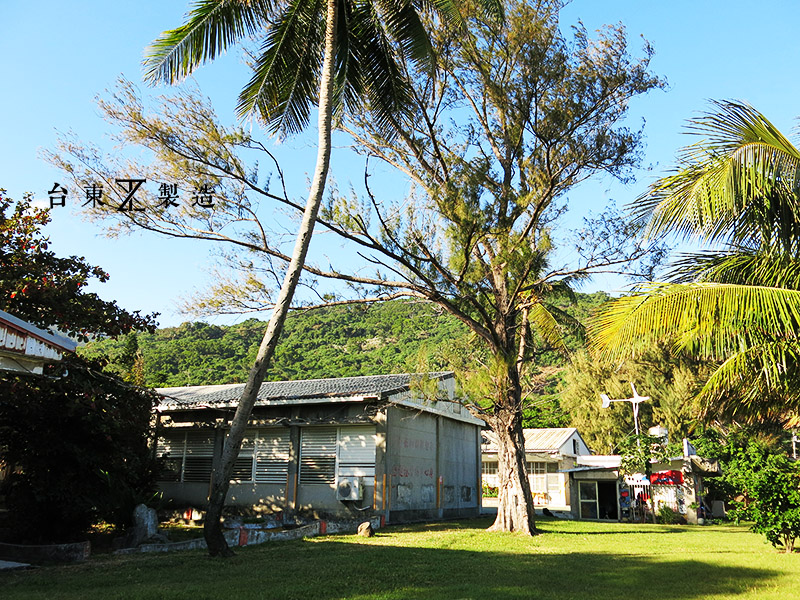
[598, 500]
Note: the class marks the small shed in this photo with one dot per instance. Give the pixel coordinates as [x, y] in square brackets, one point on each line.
[548, 451]
[599, 492]
[346, 447]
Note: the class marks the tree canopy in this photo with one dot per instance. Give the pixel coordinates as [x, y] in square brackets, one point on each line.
[48, 290]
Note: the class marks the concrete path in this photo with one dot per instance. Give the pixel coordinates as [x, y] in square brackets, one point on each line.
[8, 565]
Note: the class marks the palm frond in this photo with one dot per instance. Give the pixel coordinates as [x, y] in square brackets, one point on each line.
[735, 185]
[739, 266]
[285, 74]
[544, 323]
[383, 79]
[710, 320]
[211, 27]
[760, 383]
[404, 25]
[451, 11]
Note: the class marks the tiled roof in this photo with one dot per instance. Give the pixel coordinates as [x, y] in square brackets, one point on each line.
[276, 391]
[536, 440]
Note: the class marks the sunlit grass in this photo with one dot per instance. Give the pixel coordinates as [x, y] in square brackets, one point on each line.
[448, 560]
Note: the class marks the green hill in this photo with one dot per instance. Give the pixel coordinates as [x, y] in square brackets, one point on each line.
[337, 341]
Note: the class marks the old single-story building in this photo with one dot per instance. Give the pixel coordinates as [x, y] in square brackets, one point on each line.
[25, 348]
[599, 492]
[548, 452]
[342, 447]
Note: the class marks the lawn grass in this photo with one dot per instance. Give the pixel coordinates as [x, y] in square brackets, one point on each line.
[581, 560]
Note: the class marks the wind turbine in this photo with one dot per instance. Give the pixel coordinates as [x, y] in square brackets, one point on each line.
[635, 402]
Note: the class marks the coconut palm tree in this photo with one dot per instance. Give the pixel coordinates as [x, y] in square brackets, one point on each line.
[737, 303]
[337, 54]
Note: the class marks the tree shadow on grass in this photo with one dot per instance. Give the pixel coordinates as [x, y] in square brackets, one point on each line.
[657, 529]
[398, 572]
[328, 569]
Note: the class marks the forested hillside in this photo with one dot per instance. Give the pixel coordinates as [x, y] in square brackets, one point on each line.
[392, 337]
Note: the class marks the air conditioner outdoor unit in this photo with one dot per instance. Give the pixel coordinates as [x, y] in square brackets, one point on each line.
[350, 488]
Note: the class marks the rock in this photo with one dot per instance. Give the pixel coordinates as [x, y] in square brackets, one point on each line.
[145, 524]
[365, 529]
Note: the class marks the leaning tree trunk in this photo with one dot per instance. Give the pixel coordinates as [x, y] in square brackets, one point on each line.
[514, 500]
[217, 546]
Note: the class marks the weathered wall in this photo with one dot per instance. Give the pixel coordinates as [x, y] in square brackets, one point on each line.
[411, 464]
[459, 467]
[427, 466]
[432, 465]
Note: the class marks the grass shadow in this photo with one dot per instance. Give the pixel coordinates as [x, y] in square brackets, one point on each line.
[332, 568]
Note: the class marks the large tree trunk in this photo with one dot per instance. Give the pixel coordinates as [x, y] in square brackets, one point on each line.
[514, 500]
[217, 546]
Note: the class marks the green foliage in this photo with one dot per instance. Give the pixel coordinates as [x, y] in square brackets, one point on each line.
[77, 440]
[638, 452]
[47, 290]
[743, 453]
[667, 516]
[340, 341]
[372, 39]
[776, 511]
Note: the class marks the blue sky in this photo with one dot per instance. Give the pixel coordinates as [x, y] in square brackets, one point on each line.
[58, 56]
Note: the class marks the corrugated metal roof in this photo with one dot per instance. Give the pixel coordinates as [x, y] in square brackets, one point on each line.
[275, 391]
[536, 440]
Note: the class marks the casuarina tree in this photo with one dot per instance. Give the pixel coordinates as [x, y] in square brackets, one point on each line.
[515, 117]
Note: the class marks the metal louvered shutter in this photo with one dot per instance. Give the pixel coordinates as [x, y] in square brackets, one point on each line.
[273, 448]
[243, 465]
[318, 455]
[199, 456]
[169, 451]
[356, 446]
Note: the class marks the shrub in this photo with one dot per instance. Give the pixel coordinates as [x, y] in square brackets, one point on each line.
[776, 510]
[77, 440]
[668, 516]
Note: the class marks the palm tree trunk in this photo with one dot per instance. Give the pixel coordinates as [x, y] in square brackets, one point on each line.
[217, 546]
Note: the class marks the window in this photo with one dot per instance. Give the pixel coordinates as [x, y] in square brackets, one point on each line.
[186, 455]
[318, 455]
[263, 457]
[327, 453]
[356, 447]
[272, 456]
[489, 468]
[537, 473]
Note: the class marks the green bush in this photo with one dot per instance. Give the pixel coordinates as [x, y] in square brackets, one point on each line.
[776, 510]
[668, 516]
[489, 492]
[77, 440]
